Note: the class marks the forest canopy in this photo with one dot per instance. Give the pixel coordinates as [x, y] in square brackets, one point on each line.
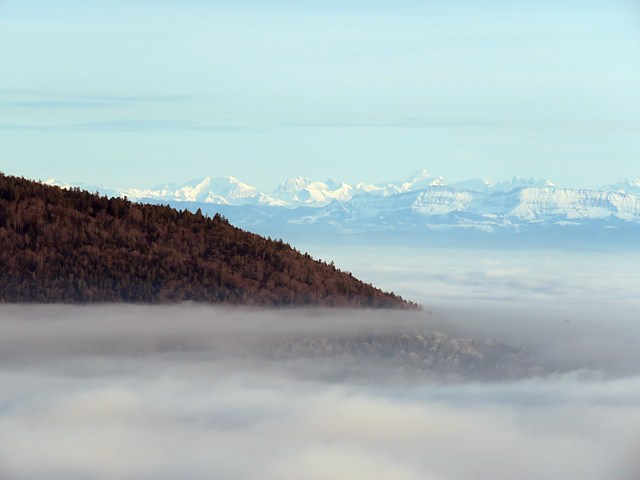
[73, 246]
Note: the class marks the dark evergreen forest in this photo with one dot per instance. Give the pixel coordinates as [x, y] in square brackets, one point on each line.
[73, 246]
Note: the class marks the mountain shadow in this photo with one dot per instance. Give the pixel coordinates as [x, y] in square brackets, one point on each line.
[72, 246]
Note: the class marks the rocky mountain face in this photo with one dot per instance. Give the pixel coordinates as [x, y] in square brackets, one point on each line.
[528, 204]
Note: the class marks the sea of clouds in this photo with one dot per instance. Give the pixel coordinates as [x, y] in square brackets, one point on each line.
[193, 391]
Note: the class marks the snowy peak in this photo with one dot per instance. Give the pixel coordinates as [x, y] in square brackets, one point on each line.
[442, 208]
[292, 185]
[302, 191]
[442, 201]
[222, 190]
[193, 191]
[482, 185]
[519, 182]
[419, 180]
[110, 192]
[623, 185]
[571, 204]
[231, 187]
[473, 185]
[420, 196]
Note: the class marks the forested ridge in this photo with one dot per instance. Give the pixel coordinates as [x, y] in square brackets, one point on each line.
[69, 245]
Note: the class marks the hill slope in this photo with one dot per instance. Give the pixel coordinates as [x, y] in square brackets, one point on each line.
[60, 245]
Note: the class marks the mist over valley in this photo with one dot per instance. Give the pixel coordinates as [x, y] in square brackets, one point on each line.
[527, 369]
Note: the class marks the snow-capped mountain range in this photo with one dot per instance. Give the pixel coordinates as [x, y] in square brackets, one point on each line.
[293, 192]
[421, 202]
[300, 191]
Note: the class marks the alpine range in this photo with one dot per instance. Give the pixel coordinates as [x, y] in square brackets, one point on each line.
[420, 204]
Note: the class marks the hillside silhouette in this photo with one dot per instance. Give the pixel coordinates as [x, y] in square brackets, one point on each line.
[72, 246]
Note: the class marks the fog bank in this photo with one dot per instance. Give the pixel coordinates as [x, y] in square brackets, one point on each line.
[191, 391]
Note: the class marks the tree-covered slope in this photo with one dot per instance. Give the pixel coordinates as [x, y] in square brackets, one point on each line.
[60, 245]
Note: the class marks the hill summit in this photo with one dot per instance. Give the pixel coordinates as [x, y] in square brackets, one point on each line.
[69, 245]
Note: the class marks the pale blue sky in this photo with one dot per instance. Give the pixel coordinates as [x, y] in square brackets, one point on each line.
[142, 92]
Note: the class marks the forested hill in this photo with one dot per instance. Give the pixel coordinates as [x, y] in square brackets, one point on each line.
[60, 245]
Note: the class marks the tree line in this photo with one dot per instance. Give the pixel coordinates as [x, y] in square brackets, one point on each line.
[70, 245]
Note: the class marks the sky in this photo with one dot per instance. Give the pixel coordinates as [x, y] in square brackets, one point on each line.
[140, 92]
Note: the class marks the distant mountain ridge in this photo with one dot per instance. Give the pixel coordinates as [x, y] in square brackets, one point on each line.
[301, 191]
[421, 203]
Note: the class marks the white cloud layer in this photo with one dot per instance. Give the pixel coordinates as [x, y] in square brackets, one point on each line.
[193, 392]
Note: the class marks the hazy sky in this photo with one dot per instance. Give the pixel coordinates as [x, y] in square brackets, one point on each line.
[143, 92]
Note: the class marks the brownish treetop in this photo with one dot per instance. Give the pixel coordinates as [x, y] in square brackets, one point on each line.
[59, 245]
